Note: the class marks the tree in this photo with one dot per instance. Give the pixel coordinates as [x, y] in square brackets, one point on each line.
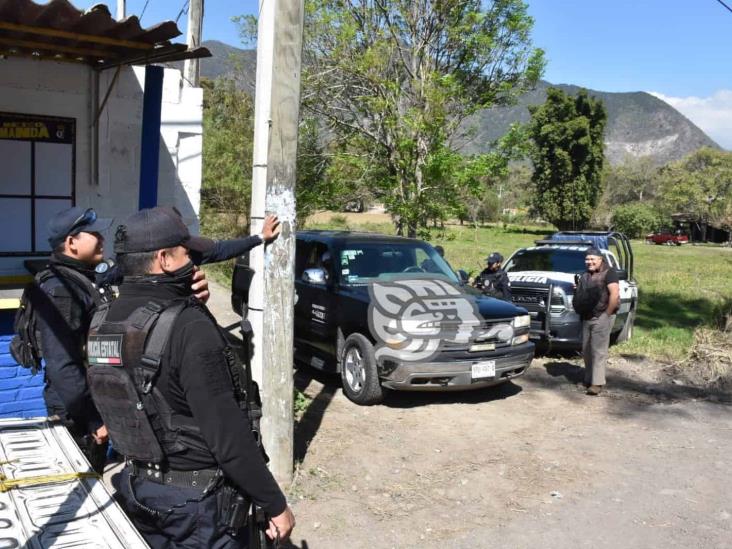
[699, 185]
[228, 121]
[401, 76]
[636, 219]
[635, 180]
[568, 157]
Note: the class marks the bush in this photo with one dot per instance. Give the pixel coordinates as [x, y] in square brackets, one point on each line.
[636, 219]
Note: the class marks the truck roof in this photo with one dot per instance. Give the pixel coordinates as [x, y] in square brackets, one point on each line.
[342, 237]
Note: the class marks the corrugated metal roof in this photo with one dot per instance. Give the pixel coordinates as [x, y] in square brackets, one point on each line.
[58, 30]
[69, 513]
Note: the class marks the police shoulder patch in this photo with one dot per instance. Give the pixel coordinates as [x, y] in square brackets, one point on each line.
[105, 349]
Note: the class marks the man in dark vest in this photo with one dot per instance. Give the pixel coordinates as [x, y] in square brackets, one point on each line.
[600, 281]
[72, 290]
[165, 382]
[493, 280]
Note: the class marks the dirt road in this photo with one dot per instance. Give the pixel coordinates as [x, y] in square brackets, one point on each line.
[535, 463]
[532, 464]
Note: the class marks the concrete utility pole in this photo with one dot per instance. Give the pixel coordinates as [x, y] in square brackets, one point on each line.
[271, 298]
[121, 10]
[191, 71]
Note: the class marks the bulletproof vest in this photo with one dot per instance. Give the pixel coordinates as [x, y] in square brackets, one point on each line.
[124, 362]
[490, 281]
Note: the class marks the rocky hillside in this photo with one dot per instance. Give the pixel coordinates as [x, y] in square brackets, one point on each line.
[639, 124]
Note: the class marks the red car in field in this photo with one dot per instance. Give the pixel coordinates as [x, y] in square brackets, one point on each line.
[668, 237]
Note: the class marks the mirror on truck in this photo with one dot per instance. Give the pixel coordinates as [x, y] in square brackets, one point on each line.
[241, 280]
[622, 274]
[315, 276]
[463, 276]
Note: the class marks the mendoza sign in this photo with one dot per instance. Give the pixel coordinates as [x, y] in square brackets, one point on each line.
[29, 127]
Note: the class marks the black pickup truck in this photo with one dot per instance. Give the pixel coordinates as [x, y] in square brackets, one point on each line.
[390, 312]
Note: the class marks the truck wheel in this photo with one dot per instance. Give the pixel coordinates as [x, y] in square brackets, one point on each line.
[359, 373]
[627, 331]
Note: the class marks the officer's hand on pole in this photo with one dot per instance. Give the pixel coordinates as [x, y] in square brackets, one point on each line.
[101, 435]
[280, 527]
[271, 229]
[200, 285]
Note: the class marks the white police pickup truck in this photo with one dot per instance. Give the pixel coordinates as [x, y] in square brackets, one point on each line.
[543, 278]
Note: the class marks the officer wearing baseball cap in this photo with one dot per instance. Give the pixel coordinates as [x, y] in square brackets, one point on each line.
[165, 382]
[63, 312]
[493, 280]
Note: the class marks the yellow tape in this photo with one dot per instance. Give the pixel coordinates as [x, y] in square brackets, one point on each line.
[8, 484]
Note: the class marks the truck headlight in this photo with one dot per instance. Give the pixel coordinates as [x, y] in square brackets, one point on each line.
[523, 321]
[558, 303]
[518, 340]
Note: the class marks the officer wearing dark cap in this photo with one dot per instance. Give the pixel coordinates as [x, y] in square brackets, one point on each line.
[75, 235]
[165, 381]
[74, 289]
[493, 281]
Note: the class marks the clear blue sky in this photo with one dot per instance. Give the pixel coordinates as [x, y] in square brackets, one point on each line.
[679, 49]
[676, 47]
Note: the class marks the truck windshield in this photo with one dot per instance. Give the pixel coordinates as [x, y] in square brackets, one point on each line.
[362, 262]
[548, 259]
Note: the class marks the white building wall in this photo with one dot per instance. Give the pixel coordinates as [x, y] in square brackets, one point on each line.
[63, 89]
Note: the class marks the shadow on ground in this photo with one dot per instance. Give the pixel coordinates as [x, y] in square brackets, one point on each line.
[407, 399]
[309, 423]
[307, 426]
[637, 393]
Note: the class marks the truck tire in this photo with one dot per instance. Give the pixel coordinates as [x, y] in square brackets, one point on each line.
[627, 331]
[359, 374]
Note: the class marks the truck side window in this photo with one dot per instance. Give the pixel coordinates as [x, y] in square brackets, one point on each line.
[318, 257]
[302, 249]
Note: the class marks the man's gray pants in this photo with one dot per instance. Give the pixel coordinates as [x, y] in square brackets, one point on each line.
[595, 344]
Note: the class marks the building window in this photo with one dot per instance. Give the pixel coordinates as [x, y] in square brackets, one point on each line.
[37, 179]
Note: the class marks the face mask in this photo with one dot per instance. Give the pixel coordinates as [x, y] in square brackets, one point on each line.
[182, 275]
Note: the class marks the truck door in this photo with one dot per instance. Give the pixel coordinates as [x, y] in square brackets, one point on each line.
[314, 317]
[625, 290]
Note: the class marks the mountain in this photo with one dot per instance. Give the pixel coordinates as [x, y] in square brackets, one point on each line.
[639, 124]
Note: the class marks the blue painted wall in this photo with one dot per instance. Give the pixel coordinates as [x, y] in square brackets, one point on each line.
[21, 394]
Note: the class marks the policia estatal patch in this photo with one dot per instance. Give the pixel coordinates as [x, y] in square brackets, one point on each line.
[105, 349]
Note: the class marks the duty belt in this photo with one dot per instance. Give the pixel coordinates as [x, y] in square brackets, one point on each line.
[170, 477]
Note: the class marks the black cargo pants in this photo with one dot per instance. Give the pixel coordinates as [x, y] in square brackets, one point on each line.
[187, 517]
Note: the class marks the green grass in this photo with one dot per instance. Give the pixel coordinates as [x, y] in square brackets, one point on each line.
[680, 288]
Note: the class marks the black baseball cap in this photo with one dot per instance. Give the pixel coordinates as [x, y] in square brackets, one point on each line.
[73, 221]
[495, 257]
[593, 251]
[156, 229]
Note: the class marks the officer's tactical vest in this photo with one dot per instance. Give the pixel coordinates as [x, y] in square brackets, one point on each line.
[124, 362]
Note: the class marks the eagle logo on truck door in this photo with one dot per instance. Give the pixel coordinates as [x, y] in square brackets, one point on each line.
[412, 319]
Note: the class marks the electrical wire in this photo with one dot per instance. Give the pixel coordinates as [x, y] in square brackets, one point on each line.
[725, 5]
[144, 8]
[183, 10]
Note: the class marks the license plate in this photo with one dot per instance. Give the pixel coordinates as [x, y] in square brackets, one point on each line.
[486, 368]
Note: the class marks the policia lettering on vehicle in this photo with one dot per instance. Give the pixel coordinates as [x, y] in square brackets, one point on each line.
[166, 384]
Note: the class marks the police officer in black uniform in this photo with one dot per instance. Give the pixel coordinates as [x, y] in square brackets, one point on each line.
[166, 385]
[63, 317]
[493, 280]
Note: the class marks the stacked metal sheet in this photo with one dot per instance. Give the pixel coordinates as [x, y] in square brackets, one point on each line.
[58, 512]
